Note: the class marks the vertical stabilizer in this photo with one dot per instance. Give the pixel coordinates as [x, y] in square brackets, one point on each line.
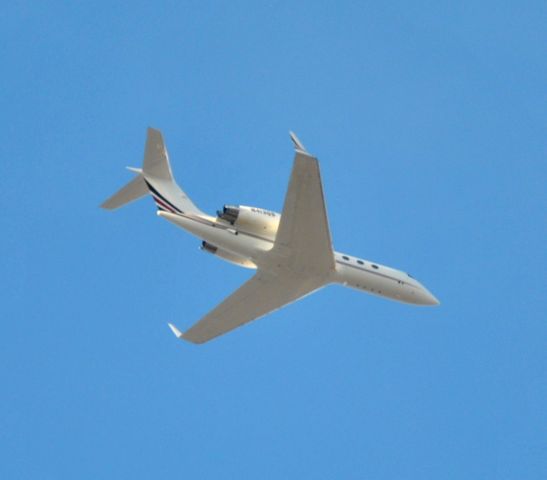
[156, 159]
[155, 178]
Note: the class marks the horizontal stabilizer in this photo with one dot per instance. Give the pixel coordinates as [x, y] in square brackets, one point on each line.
[134, 190]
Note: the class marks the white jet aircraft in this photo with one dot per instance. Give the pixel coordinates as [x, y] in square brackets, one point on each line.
[291, 252]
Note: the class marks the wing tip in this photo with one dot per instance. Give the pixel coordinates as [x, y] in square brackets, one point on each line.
[185, 336]
[298, 145]
[175, 330]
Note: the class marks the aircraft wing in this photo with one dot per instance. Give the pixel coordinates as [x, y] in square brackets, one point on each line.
[300, 261]
[262, 294]
[303, 237]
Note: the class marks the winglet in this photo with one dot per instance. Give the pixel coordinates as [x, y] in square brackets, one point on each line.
[298, 145]
[175, 330]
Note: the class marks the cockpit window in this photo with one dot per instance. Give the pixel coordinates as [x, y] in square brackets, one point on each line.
[410, 275]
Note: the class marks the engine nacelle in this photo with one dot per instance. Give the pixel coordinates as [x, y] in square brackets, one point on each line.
[228, 256]
[251, 219]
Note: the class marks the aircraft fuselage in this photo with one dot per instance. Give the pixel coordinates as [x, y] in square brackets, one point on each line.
[251, 250]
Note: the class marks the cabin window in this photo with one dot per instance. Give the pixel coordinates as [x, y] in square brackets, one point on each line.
[345, 258]
[374, 266]
[360, 262]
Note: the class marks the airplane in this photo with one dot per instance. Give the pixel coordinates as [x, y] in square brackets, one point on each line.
[291, 252]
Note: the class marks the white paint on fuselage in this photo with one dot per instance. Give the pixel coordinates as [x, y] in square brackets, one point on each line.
[381, 280]
[350, 271]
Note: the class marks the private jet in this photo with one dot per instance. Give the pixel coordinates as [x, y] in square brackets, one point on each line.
[291, 252]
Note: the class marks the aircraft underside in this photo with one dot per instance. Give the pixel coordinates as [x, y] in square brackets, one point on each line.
[291, 252]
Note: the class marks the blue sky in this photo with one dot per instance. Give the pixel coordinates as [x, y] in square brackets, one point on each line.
[429, 122]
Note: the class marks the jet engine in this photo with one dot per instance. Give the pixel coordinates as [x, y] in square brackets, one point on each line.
[251, 219]
[228, 256]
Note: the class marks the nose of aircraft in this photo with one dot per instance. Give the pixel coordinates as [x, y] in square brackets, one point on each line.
[427, 298]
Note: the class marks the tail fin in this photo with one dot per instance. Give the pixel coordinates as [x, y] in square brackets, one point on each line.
[155, 178]
[156, 160]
